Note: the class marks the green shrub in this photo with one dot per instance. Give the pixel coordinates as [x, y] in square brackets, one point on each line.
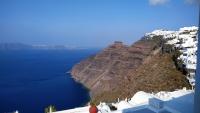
[50, 109]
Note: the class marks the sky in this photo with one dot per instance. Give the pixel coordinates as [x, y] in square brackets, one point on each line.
[90, 23]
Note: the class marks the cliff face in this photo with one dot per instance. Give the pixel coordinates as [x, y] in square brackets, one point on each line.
[119, 70]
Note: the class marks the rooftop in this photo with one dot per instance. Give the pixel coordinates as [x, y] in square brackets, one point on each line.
[180, 101]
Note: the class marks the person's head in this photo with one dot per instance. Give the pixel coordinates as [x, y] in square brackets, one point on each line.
[92, 103]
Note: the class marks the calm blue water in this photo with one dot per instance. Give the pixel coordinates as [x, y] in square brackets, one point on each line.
[32, 80]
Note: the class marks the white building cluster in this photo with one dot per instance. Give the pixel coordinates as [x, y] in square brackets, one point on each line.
[185, 39]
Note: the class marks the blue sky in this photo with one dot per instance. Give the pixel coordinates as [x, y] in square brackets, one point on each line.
[90, 23]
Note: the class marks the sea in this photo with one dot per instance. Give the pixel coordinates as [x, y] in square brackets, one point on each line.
[31, 80]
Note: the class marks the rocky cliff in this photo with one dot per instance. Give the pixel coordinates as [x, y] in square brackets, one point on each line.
[119, 70]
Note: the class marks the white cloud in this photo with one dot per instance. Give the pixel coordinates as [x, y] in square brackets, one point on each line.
[157, 2]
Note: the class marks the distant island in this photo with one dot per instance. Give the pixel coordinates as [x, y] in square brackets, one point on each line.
[22, 46]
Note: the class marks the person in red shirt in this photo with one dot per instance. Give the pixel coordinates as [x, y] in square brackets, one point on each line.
[93, 108]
